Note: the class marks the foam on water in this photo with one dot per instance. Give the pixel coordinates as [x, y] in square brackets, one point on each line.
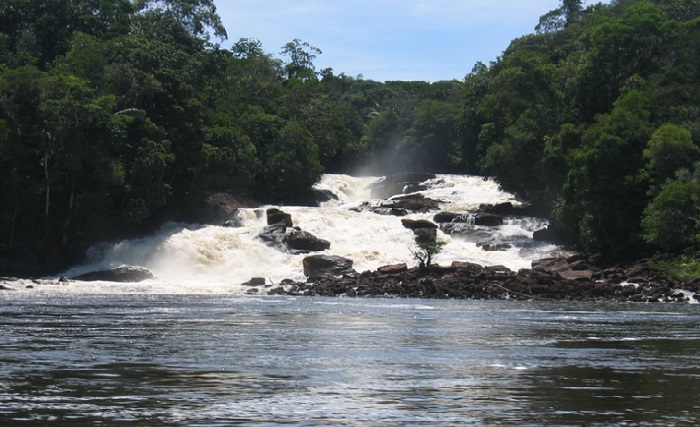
[217, 259]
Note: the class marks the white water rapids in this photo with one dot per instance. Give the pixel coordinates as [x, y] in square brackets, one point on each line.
[197, 259]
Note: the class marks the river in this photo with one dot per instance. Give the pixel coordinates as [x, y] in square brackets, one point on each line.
[205, 360]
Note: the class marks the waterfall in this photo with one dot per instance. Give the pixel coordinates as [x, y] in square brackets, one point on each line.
[216, 259]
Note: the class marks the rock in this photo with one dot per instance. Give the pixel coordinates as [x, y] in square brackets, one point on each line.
[571, 274]
[277, 217]
[381, 210]
[255, 281]
[274, 235]
[553, 234]
[424, 230]
[509, 209]
[304, 241]
[326, 265]
[550, 264]
[418, 224]
[125, 274]
[393, 269]
[551, 280]
[494, 246]
[413, 203]
[502, 209]
[447, 217]
[487, 219]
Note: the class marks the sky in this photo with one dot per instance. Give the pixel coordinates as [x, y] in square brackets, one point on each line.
[382, 40]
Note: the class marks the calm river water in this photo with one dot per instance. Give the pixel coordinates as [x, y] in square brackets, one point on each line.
[207, 360]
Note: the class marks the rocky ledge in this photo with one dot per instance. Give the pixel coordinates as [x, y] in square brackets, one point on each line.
[572, 278]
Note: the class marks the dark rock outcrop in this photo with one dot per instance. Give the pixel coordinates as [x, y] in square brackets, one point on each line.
[326, 265]
[125, 274]
[509, 209]
[281, 234]
[255, 281]
[299, 240]
[277, 217]
[413, 203]
[568, 278]
[446, 217]
[488, 219]
[412, 224]
[424, 230]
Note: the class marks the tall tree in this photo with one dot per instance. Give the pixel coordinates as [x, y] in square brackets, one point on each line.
[301, 57]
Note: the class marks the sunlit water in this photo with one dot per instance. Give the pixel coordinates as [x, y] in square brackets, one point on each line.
[205, 360]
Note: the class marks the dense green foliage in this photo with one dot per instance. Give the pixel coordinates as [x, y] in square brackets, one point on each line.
[117, 115]
[597, 118]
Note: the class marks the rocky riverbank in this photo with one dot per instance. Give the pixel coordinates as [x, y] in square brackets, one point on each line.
[572, 278]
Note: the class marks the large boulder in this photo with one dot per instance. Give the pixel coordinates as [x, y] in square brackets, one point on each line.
[326, 265]
[413, 203]
[487, 219]
[299, 240]
[447, 217]
[413, 224]
[124, 274]
[276, 217]
[424, 230]
[274, 235]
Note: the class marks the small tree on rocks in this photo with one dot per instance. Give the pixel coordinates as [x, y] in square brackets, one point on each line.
[428, 245]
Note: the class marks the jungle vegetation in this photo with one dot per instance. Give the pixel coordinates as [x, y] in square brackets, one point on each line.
[115, 115]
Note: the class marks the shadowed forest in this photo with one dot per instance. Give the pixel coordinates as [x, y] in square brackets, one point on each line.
[118, 115]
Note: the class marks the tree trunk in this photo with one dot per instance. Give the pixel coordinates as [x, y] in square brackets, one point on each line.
[14, 223]
[48, 185]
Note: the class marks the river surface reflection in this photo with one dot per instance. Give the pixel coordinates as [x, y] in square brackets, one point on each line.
[204, 360]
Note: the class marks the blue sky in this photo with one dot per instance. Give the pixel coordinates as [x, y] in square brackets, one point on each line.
[383, 40]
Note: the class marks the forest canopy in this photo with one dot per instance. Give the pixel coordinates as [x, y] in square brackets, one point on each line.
[117, 115]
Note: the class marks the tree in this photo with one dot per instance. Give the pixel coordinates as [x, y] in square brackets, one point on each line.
[196, 16]
[670, 149]
[671, 222]
[40, 31]
[290, 163]
[301, 56]
[568, 13]
[605, 192]
[428, 245]
[631, 45]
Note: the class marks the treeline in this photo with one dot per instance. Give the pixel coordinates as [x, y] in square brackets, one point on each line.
[597, 117]
[116, 115]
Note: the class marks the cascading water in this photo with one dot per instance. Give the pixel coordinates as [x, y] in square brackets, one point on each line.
[218, 259]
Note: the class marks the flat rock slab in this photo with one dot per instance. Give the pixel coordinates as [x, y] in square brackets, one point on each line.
[127, 274]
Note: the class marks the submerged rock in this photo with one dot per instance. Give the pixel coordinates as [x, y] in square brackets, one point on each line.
[125, 274]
